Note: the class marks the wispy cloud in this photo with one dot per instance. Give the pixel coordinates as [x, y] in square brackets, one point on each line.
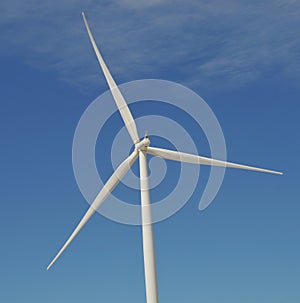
[195, 41]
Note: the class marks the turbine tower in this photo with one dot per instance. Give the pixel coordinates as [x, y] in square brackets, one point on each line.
[142, 148]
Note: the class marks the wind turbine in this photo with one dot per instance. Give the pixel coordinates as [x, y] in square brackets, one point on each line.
[142, 148]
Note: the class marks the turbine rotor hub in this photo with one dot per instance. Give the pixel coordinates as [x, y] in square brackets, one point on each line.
[142, 145]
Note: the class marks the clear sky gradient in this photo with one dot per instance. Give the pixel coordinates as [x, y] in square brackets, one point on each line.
[243, 59]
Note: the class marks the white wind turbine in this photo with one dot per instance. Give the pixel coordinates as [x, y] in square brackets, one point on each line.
[142, 148]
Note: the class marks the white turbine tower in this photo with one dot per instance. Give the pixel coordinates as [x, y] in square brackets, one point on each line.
[141, 150]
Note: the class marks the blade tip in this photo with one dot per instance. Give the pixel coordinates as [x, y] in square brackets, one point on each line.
[277, 172]
[50, 265]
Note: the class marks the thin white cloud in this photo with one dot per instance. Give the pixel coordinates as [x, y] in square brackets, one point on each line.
[195, 41]
[141, 4]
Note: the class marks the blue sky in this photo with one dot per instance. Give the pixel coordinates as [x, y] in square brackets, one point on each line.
[243, 59]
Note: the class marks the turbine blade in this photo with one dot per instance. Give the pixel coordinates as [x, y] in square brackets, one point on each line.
[105, 191]
[119, 99]
[188, 158]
